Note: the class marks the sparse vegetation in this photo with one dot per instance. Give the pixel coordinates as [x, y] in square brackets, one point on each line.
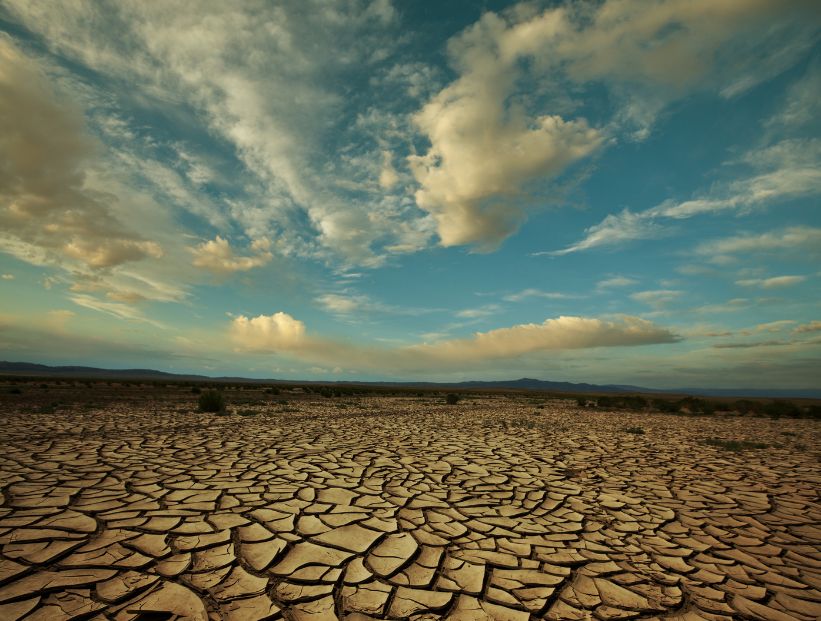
[211, 401]
[195, 390]
[452, 399]
[635, 430]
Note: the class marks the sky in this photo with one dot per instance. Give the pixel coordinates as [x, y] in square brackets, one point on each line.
[621, 191]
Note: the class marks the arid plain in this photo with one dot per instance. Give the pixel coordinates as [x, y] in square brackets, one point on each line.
[128, 504]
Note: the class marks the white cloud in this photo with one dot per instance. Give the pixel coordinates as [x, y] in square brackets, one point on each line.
[116, 309]
[217, 256]
[281, 333]
[614, 229]
[255, 81]
[343, 304]
[534, 293]
[786, 170]
[616, 281]
[800, 238]
[774, 282]
[562, 333]
[7, 276]
[478, 313]
[388, 177]
[271, 333]
[50, 211]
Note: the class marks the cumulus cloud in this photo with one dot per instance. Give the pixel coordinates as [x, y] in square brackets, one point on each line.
[483, 148]
[49, 212]
[217, 256]
[271, 333]
[774, 282]
[281, 333]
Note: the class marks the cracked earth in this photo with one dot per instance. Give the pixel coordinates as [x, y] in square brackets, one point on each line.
[404, 508]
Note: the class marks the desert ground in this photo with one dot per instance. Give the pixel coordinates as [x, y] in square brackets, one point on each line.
[128, 503]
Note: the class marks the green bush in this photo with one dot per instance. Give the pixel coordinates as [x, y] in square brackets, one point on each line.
[211, 401]
[451, 399]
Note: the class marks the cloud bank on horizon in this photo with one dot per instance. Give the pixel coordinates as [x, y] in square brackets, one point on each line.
[621, 191]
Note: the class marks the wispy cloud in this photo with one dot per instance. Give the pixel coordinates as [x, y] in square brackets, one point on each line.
[616, 281]
[799, 238]
[530, 293]
[115, 309]
[789, 169]
[659, 298]
[774, 282]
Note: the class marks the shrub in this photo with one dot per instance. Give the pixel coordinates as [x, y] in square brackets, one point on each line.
[211, 401]
[15, 390]
[195, 390]
[636, 430]
[451, 399]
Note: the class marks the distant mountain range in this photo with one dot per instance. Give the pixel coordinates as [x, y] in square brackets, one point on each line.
[42, 370]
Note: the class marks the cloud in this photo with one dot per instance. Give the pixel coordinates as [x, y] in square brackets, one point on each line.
[801, 238]
[812, 326]
[534, 293]
[616, 281]
[562, 333]
[253, 93]
[786, 170]
[483, 148]
[775, 326]
[49, 210]
[478, 313]
[281, 333]
[115, 309]
[343, 304]
[271, 333]
[750, 345]
[388, 177]
[658, 298]
[771, 283]
[7, 276]
[217, 256]
[614, 229]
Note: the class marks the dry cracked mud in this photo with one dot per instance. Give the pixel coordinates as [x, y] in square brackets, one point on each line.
[404, 508]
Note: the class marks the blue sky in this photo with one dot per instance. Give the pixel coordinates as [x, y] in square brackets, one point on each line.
[621, 191]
